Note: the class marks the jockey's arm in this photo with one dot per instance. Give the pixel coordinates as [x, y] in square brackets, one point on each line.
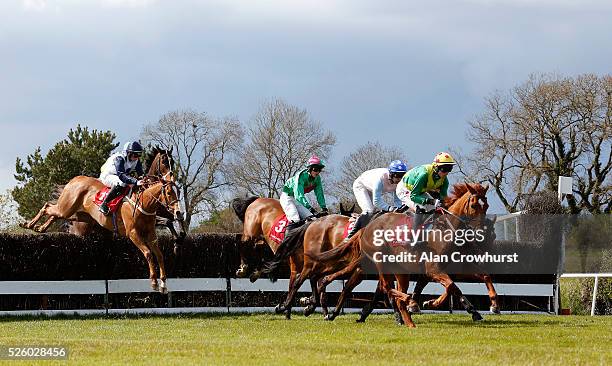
[377, 197]
[444, 189]
[417, 195]
[121, 173]
[138, 169]
[319, 193]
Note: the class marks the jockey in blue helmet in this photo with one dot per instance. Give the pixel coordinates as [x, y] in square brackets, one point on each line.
[115, 173]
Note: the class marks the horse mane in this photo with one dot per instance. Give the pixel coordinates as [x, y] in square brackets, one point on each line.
[150, 156]
[459, 189]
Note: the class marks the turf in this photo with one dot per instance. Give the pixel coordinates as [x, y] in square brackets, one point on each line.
[269, 339]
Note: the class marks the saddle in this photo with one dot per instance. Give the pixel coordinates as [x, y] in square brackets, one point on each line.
[114, 203]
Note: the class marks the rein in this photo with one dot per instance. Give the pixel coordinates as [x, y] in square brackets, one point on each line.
[137, 205]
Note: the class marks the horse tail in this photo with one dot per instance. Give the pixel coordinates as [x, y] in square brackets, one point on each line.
[57, 192]
[340, 251]
[240, 206]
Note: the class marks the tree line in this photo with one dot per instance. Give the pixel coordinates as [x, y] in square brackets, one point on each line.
[523, 139]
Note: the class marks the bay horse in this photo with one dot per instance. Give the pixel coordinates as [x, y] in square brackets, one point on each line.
[135, 220]
[468, 201]
[160, 164]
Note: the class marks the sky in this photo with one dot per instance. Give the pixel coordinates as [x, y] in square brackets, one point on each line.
[404, 73]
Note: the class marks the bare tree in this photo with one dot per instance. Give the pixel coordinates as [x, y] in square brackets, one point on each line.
[369, 156]
[9, 218]
[544, 128]
[281, 138]
[202, 146]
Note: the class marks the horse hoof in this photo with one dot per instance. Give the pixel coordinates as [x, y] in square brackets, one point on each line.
[163, 288]
[427, 304]
[414, 309]
[329, 317]
[241, 272]
[476, 316]
[304, 301]
[398, 319]
[288, 314]
[495, 310]
[308, 310]
[255, 276]
[360, 320]
[279, 309]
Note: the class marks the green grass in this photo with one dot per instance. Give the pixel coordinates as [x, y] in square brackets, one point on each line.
[269, 339]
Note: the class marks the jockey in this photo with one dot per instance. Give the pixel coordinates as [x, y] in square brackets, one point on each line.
[115, 172]
[422, 184]
[370, 186]
[293, 199]
[296, 206]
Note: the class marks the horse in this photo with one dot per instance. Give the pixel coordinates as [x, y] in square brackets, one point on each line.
[159, 163]
[322, 235]
[467, 201]
[258, 215]
[135, 220]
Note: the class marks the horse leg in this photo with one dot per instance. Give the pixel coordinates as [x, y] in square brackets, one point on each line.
[352, 282]
[402, 301]
[494, 308]
[140, 244]
[154, 246]
[30, 224]
[413, 304]
[280, 308]
[332, 277]
[45, 226]
[394, 298]
[452, 289]
[369, 307]
[243, 270]
[434, 303]
[300, 278]
[314, 298]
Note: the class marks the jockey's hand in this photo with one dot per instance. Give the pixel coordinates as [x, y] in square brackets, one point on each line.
[392, 209]
[439, 204]
[429, 201]
[402, 209]
[139, 183]
[313, 210]
[324, 211]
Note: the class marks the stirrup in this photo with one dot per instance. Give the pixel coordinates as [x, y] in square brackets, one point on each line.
[104, 209]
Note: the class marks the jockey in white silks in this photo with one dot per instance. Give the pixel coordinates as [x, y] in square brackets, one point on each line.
[370, 186]
[115, 172]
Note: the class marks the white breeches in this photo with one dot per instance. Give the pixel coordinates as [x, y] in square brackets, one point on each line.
[294, 210]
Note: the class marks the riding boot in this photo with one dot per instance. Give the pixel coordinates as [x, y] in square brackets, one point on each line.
[416, 225]
[361, 221]
[281, 251]
[112, 194]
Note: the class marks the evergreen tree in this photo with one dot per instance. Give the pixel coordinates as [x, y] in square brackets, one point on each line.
[82, 153]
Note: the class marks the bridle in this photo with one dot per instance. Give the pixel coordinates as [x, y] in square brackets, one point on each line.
[164, 201]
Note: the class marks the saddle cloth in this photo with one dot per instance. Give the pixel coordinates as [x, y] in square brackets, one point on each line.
[114, 203]
[277, 231]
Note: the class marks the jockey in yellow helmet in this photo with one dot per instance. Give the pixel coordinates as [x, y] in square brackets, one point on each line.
[422, 185]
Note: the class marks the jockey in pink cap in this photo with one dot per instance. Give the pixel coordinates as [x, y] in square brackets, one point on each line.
[297, 208]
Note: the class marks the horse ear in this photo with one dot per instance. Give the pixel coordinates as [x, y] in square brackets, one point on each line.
[470, 188]
[341, 207]
[170, 149]
[486, 188]
[353, 208]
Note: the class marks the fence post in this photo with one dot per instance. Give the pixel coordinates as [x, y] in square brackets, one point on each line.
[106, 297]
[594, 295]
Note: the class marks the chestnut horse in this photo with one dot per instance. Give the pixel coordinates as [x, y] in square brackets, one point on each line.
[468, 201]
[258, 216]
[159, 163]
[135, 220]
